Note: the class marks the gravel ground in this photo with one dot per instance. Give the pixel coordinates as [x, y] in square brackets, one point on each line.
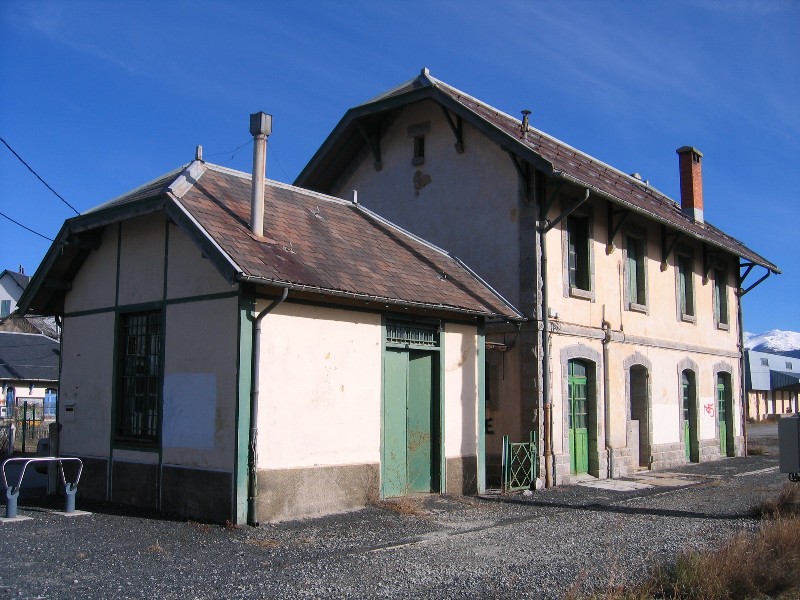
[534, 546]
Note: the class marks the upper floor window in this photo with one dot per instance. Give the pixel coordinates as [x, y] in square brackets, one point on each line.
[578, 265]
[720, 298]
[5, 308]
[139, 373]
[764, 362]
[788, 365]
[419, 150]
[635, 272]
[686, 287]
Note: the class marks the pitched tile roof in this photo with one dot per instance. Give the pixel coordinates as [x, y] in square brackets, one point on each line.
[558, 158]
[28, 357]
[20, 279]
[312, 243]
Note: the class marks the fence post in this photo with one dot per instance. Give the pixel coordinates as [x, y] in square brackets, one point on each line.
[11, 434]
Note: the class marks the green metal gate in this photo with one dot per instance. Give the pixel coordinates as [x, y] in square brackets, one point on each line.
[520, 464]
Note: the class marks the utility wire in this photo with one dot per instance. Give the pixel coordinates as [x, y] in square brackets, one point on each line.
[233, 152]
[271, 150]
[23, 226]
[39, 178]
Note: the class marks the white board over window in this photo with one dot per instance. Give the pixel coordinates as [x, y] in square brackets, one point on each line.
[190, 407]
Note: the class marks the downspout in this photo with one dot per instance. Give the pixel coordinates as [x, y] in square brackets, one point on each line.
[607, 398]
[742, 391]
[547, 406]
[252, 458]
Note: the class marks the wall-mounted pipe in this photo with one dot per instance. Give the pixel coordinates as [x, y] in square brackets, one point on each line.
[252, 458]
[607, 398]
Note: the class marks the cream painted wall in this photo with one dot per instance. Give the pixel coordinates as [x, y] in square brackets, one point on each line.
[200, 379]
[95, 285]
[141, 261]
[86, 384]
[478, 188]
[461, 390]
[661, 322]
[189, 273]
[321, 383]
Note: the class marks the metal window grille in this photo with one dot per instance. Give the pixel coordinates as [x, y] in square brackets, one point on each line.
[140, 372]
[416, 335]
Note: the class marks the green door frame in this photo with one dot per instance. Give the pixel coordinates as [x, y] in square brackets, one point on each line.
[578, 386]
[689, 404]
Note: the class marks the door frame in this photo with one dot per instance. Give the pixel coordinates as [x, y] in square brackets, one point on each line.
[436, 348]
[726, 370]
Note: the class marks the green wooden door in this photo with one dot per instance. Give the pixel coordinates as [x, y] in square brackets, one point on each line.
[578, 418]
[409, 424]
[686, 403]
[394, 459]
[419, 422]
[722, 414]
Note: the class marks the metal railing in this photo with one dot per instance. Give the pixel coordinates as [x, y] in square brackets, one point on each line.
[12, 492]
[520, 464]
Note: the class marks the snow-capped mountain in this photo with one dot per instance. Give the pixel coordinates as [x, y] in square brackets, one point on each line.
[774, 341]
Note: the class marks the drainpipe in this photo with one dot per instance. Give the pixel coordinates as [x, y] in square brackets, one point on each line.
[252, 459]
[547, 404]
[607, 398]
[742, 391]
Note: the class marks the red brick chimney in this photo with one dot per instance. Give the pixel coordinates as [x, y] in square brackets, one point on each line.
[691, 182]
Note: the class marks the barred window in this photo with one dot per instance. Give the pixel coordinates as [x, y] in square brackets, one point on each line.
[139, 394]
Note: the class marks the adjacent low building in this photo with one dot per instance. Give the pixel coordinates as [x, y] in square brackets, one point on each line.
[772, 382]
[247, 352]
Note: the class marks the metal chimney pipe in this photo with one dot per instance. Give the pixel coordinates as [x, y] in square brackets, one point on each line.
[260, 128]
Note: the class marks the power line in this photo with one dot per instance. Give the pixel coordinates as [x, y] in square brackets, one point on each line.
[233, 152]
[39, 178]
[23, 226]
[277, 160]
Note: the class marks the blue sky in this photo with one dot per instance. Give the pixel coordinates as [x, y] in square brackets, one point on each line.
[99, 97]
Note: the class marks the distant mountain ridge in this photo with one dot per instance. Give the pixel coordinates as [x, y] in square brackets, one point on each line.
[774, 341]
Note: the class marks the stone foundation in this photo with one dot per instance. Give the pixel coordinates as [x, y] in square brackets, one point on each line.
[462, 475]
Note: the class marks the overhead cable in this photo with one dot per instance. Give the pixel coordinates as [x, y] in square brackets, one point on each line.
[39, 178]
[23, 226]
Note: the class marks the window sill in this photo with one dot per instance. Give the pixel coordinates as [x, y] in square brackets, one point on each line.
[723, 326]
[133, 444]
[640, 308]
[579, 293]
[689, 319]
[417, 160]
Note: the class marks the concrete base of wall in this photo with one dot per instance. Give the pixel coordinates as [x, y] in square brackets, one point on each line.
[315, 491]
[709, 450]
[94, 479]
[197, 494]
[134, 484]
[625, 461]
[667, 456]
[738, 446]
[462, 475]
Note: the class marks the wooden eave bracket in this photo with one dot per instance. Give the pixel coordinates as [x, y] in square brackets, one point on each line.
[372, 139]
[567, 211]
[748, 266]
[524, 172]
[613, 229]
[456, 127]
[88, 241]
[710, 260]
[669, 239]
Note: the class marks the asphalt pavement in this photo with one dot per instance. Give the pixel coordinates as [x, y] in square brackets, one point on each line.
[532, 546]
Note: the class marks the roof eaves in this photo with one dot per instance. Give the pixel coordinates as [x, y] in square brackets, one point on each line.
[366, 297]
[637, 209]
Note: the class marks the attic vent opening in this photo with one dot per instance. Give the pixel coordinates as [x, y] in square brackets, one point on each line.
[408, 334]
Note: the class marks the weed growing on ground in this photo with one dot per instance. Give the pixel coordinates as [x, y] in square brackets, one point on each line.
[763, 564]
[787, 504]
[155, 548]
[231, 526]
[201, 527]
[406, 505]
[756, 451]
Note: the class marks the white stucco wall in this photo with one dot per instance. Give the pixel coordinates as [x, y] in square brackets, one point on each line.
[476, 189]
[95, 285]
[461, 390]
[200, 379]
[141, 260]
[189, 272]
[320, 392]
[86, 384]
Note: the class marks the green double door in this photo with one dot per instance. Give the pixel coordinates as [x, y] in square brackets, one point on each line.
[410, 424]
[578, 418]
[722, 414]
[689, 419]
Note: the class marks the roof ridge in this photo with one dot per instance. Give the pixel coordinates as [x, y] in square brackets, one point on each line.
[110, 202]
[279, 184]
[646, 186]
